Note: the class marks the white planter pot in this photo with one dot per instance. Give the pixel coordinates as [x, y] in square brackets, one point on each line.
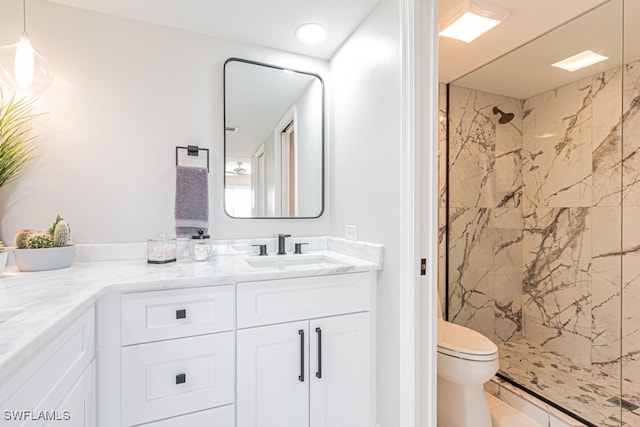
[43, 259]
[3, 259]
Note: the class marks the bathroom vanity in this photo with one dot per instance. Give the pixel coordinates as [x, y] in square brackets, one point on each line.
[287, 342]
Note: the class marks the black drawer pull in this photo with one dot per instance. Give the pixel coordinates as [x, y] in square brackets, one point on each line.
[301, 376]
[181, 378]
[181, 314]
[319, 371]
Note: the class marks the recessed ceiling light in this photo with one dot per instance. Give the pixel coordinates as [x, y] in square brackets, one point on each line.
[579, 61]
[469, 19]
[469, 27]
[311, 33]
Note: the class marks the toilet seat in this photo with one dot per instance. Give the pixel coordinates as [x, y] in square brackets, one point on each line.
[464, 343]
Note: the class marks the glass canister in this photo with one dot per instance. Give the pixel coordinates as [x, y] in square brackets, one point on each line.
[200, 246]
[161, 249]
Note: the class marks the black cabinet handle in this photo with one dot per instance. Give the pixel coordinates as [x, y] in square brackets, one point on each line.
[301, 376]
[181, 314]
[181, 378]
[319, 371]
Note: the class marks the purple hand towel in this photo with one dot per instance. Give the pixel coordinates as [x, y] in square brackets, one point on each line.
[192, 200]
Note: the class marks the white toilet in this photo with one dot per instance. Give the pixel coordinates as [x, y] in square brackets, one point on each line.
[466, 360]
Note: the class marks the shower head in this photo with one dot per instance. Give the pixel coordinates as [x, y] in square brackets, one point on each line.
[504, 117]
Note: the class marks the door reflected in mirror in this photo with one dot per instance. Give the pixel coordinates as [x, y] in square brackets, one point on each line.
[274, 141]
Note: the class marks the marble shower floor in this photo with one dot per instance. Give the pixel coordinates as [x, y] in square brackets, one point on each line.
[581, 389]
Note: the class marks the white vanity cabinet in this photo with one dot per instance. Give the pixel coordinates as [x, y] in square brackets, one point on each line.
[171, 361]
[294, 352]
[57, 386]
[304, 352]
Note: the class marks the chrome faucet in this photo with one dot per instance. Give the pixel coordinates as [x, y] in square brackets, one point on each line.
[281, 242]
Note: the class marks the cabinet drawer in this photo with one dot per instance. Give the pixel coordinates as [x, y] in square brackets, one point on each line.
[275, 301]
[42, 382]
[218, 417]
[161, 315]
[170, 378]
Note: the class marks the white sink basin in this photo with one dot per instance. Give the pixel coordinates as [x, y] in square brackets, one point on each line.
[8, 313]
[291, 260]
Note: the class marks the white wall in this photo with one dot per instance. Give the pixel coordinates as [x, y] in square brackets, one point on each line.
[124, 95]
[365, 180]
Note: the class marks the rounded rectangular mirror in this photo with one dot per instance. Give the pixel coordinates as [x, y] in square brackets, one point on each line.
[274, 141]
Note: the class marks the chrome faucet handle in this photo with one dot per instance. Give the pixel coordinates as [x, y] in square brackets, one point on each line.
[263, 249]
[298, 247]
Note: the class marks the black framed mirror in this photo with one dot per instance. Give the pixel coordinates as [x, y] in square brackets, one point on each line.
[274, 141]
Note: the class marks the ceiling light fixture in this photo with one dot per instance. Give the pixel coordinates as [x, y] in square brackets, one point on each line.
[21, 67]
[466, 20]
[579, 61]
[311, 33]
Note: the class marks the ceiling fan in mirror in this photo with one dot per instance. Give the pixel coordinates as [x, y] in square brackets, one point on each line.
[238, 170]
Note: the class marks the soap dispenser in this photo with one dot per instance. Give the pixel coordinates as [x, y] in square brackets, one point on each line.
[200, 246]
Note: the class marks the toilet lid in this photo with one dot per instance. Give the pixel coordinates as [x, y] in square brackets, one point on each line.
[465, 343]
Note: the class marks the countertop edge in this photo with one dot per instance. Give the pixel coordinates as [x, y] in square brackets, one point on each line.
[21, 349]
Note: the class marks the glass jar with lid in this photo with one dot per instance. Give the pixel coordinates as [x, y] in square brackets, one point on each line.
[200, 246]
[161, 249]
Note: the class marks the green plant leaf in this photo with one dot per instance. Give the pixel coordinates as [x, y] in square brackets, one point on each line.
[17, 145]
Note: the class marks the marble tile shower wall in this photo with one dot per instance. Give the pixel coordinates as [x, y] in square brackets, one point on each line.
[535, 211]
[442, 192]
[631, 225]
[485, 215]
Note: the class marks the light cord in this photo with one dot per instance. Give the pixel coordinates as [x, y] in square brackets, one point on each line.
[24, 17]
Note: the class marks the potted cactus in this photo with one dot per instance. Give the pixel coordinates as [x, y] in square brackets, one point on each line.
[44, 249]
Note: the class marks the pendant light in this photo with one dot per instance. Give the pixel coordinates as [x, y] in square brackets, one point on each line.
[22, 68]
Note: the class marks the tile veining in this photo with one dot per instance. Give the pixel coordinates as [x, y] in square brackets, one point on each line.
[538, 209]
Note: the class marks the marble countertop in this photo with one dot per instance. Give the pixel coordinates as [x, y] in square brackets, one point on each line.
[42, 304]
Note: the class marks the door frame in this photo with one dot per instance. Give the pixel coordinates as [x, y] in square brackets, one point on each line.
[259, 181]
[419, 212]
[290, 116]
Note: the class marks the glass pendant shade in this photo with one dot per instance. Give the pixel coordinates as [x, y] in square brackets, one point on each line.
[23, 69]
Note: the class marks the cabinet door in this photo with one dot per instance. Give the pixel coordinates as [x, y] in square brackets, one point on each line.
[42, 382]
[273, 376]
[78, 409]
[340, 371]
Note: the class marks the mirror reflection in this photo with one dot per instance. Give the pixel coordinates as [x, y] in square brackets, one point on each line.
[274, 141]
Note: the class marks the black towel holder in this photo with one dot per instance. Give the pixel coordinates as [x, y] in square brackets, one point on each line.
[193, 150]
